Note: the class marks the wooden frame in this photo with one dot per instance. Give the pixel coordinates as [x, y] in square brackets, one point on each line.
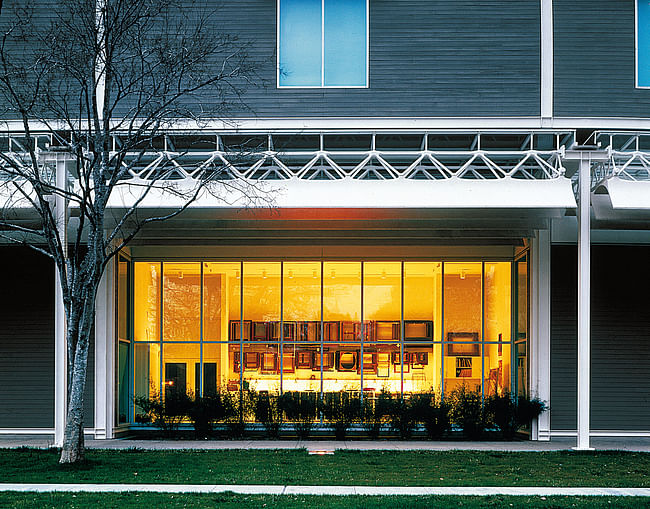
[269, 362]
[385, 330]
[347, 361]
[304, 359]
[418, 330]
[234, 330]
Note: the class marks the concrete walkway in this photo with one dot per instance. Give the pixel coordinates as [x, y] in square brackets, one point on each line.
[641, 444]
[327, 490]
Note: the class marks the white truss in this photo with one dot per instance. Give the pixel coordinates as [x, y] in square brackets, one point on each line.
[629, 156]
[272, 159]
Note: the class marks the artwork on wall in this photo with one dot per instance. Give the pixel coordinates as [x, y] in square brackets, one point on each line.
[304, 359]
[346, 361]
[269, 363]
[463, 343]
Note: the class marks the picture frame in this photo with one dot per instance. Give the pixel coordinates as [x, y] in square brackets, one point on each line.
[269, 362]
[288, 363]
[234, 330]
[251, 361]
[463, 344]
[418, 330]
[304, 359]
[347, 361]
[384, 330]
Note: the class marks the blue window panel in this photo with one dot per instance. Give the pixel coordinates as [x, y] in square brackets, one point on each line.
[300, 43]
[643, 43]
[345, 43]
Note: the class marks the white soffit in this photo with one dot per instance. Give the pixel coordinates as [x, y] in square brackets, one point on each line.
[453, 193]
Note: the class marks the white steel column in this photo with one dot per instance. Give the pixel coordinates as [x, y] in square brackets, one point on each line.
[104, 355]
[540, 347]
[584, 295]
[60, 350]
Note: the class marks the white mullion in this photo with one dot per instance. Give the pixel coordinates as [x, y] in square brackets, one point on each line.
[322, 43]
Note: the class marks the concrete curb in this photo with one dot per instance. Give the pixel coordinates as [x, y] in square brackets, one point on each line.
[241, 489]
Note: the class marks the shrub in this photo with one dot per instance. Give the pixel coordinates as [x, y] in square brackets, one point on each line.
[204, 411]
[341, 409]
[509, 414]
[166, 413]
[432, 412]
[468, 411]
[237, 409]
[375, 412]
[402, 417]
[267, 411]
[300, 408]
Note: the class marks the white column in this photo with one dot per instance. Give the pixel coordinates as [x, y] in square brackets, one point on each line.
[584, 319]
[60, 350]
[546, 28]
[104, 355]
[540, 346]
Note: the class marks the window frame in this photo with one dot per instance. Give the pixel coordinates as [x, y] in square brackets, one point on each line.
[322, 57]
[636, 48]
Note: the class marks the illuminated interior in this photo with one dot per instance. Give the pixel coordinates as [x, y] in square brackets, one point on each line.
[404, 327]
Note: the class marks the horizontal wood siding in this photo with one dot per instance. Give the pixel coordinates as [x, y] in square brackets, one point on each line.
[27, 343]
[428, 58]
[594, 60]
[564, 309]
[620, 369]
[26, 340]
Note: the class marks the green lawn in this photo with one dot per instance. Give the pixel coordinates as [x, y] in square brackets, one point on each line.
[404, 468]
[229, 501]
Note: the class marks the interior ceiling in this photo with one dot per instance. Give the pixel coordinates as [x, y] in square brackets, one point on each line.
[312, 227]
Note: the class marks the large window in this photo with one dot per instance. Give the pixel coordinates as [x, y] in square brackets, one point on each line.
[643, 43]
[322, 326]
[322, 43]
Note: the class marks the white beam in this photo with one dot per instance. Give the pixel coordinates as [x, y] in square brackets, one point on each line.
[60, 350]
[584, 295]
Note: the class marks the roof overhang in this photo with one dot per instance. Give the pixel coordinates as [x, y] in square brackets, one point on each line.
[623, 203]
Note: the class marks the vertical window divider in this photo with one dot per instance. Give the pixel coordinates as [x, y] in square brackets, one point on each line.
[442, 331]
[362, 331]
[322, 328]
[241, 335]
[161, 286]
[514, 325]
[281, 324]
[401, 332]
[483, 331]
[200, 388]
[130, 313]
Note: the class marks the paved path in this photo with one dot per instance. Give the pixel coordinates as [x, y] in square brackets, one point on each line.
[327, 490]
[640, 444]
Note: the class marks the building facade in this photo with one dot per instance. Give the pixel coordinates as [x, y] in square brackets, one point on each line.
[461, 197]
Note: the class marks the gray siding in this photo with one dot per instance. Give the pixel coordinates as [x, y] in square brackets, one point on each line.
[620, 376]
[594, 60]
[27, 342]
[428, 58]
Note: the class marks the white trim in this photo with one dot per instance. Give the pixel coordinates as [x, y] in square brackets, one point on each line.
[104, 355]
[546, 57]
[540, 334]
[38, 431]
[601, 433]
[60, 348]
[322, 53]
[353, 124]
[26, 431]
[584, 303]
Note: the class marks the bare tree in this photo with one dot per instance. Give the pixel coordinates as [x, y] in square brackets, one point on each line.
[105, 81]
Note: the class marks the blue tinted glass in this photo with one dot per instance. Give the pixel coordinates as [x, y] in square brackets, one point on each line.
[345, 42]
[643, 43]
[300, 42]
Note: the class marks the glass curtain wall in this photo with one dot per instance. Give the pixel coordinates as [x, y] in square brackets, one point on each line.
[313, 326]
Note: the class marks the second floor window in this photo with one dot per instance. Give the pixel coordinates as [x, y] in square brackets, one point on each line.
[643, 43]
[322, 43]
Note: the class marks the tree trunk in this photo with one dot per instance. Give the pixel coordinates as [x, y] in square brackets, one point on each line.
[73, 441]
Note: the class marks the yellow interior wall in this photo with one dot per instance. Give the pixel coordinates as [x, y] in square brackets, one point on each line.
[146, 288]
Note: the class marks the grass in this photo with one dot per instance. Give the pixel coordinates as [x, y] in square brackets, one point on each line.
[230, 501]
[295, 467]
